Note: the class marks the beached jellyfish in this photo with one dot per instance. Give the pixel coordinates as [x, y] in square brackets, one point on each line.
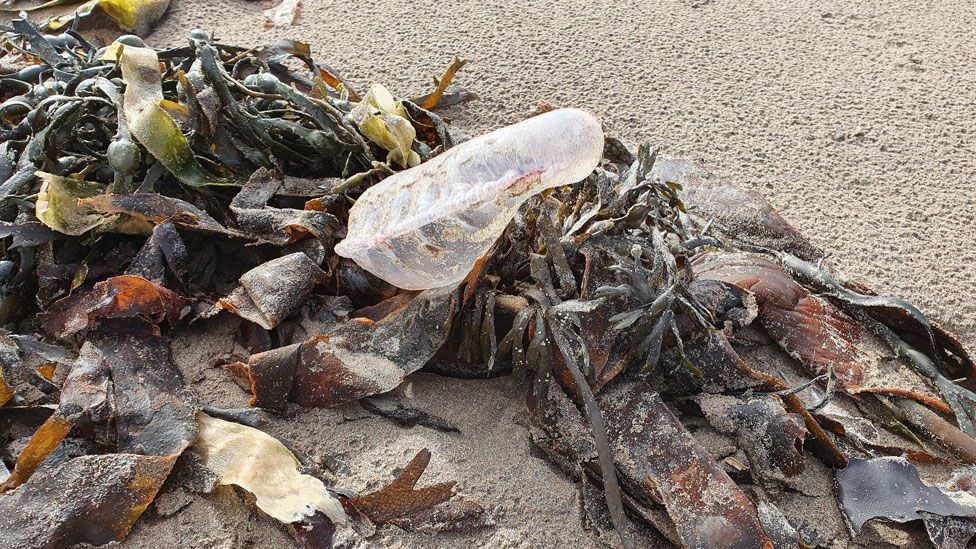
[425, 227]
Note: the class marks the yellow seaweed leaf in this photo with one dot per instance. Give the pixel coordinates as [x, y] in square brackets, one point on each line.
[57, 204]
[136, 16]
[383, 120]
[6, 392]
[259, 463]
[150, 123]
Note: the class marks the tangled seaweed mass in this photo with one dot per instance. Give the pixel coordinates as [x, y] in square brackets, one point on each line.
[146, 191]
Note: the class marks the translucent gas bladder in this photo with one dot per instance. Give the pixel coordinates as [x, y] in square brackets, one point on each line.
[425, 227]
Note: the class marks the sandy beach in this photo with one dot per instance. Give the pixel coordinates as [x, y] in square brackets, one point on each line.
[855, 121]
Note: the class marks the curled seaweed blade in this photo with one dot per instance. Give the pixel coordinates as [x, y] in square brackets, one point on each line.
[271, 291]
[432, 129]
[123, 296]
[59, 208]
[935, 427]
[890, 488]
[164, 248]
[385, 121]
[358, 358]
[262, 465]
[150, 123]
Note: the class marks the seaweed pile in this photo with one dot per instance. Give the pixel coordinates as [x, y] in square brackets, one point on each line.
[144, 191]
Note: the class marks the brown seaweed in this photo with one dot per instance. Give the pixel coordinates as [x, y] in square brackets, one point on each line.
[401, 499]
[85, 394]
[820, 335]
[164, 251]
[280, 226]
[91, 499]
[270, 292]
[359, 358]
[31, 370]
[153, 209]
[130, 380]
[6, 392]
[154, 411]
[123, 296]
[658, 456]
[96, 499]
[771, 437]
[443, 95]
[890, 488]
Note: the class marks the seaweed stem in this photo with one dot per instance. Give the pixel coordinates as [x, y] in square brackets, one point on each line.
[611, 487]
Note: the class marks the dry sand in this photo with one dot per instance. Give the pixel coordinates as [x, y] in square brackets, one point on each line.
[856, 121]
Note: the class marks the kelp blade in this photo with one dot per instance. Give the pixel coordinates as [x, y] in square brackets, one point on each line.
[260, 464]
[152, 126]
[57, 204]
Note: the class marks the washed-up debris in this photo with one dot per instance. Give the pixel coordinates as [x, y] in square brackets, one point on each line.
[409, 417]
[350, 239]
[423, 509]
[890, 488]
[283, 14]
[136, 16]
[415, 232]
[262, 465]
